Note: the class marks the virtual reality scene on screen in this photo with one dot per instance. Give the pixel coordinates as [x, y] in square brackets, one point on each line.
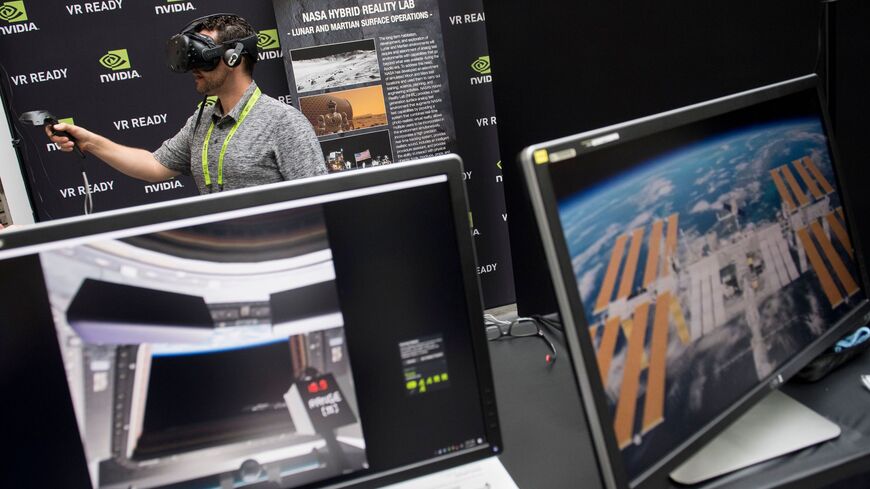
[704, 267]
[212, 355]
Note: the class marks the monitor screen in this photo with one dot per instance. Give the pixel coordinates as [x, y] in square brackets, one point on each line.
[325, 334]
[702, 252]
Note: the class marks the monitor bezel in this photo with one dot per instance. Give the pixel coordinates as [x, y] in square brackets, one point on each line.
[18, 241]
[571, 309]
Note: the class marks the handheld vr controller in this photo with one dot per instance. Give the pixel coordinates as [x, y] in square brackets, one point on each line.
[45, 118]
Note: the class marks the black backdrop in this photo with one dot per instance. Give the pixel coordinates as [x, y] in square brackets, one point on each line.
[851, 104]
[566, 66]
[51, 52]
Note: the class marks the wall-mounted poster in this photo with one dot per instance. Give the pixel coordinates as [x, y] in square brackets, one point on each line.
[384, 82]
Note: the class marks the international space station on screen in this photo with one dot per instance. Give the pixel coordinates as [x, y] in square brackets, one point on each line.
[691, 266]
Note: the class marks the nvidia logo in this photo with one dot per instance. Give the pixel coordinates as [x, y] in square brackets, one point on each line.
[67, 120]
[268, 39]
[13, 11]
[119, 62]
[116, 60]
[481, 65]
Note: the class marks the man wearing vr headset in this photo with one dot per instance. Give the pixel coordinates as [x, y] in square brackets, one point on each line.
[246, 139]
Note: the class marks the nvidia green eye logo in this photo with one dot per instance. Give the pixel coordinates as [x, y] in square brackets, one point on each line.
[481, 65]
[13, 11]
[268, 39]
[116, 60]
[67, 120]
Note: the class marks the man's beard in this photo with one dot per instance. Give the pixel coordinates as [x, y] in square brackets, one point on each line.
[211, 83]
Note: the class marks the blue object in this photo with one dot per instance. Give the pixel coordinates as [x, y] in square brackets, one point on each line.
[859, 336]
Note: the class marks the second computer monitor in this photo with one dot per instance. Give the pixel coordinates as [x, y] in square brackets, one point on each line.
[701, 257]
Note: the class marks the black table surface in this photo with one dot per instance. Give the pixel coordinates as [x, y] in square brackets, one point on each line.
[542, 426]
[547, 444]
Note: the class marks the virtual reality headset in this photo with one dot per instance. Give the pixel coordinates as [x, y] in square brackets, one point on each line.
[190, 50]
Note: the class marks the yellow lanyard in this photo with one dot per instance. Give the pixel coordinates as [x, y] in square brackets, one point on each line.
[220, 180]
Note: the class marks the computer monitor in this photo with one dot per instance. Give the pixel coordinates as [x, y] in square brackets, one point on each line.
[323, 333]
[700, 257]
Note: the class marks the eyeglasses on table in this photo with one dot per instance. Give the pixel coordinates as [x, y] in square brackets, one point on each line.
[523, 327]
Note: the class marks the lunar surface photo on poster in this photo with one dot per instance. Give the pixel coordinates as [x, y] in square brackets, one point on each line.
[335, 65]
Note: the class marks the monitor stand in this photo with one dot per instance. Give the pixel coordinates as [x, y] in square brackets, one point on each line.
[775, 426]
